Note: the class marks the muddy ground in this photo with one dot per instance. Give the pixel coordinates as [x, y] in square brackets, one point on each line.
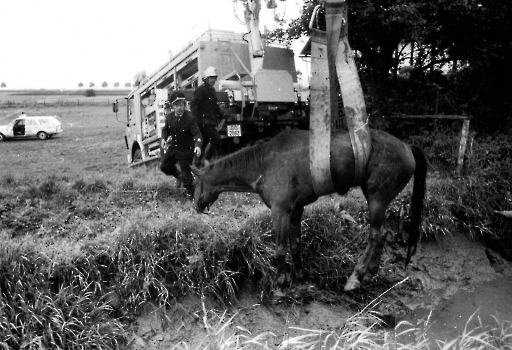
[447, 282]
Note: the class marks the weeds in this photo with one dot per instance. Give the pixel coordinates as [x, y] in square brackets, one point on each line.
[133, 236]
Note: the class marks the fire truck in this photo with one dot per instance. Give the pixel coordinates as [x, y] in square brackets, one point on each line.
[257, 87]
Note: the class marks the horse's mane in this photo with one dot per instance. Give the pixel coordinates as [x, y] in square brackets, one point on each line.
[249, 157]
[245, 158]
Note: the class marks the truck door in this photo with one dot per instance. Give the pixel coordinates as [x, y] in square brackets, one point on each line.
[19, 127]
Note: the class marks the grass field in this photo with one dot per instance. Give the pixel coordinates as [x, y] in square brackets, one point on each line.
[92, 140]
[78, 225]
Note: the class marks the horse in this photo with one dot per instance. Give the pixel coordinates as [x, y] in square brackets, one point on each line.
[278, 170]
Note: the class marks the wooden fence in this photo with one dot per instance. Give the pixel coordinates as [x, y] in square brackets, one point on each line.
[464, 132]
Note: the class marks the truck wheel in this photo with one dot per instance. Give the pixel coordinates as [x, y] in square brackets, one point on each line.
[2, 137]
[137, 156]
[41, 135]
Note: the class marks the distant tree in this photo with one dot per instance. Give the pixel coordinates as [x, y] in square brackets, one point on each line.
[90, 93]
[128, 85]
[80, 85]
[3, 85]
[116, 84]
[91, 84]
[104, 84]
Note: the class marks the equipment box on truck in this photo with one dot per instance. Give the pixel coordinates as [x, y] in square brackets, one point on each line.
[259, 102]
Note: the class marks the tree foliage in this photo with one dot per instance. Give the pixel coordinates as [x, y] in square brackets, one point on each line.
[457, 49]
[3, 85]
[91, 84]
[104, 84]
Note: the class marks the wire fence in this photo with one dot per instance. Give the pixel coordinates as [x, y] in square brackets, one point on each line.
[56, 102]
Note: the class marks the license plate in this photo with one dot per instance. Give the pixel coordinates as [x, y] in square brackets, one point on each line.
[234, 130]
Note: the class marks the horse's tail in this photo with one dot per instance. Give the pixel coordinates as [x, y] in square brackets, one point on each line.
[418, 195]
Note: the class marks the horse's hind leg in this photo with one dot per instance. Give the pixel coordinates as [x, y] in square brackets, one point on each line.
[368, 262]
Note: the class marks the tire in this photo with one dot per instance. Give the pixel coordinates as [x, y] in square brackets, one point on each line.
[41, 135]
[137, 156]
[2, 137]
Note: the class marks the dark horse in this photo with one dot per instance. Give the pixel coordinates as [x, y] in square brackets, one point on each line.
[278, 170]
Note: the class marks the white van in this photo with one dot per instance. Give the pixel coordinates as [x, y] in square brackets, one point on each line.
[26, 127]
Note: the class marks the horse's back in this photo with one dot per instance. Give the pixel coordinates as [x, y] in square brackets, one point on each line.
[389, 157]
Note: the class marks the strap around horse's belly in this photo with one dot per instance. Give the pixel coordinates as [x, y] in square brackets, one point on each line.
[350, 86]
[320, 116]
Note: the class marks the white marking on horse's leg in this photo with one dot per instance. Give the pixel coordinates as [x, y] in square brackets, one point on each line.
[278, 293]
[352, 283]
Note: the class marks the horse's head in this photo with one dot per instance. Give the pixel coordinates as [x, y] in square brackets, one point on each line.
[205, 194]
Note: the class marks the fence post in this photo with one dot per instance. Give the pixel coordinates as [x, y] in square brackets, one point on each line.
[462, 146]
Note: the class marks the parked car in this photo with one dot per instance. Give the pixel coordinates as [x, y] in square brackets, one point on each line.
[26, 127]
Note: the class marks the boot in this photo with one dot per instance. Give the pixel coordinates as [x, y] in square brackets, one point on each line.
[178, 178]
[197, 161]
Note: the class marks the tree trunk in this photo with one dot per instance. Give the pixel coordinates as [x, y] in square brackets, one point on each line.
[381, 64]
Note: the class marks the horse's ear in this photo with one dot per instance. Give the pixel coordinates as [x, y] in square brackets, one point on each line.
[195, 170]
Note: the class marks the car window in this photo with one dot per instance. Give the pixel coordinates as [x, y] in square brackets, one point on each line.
[30, 122]
[50, 121]
[20, 122]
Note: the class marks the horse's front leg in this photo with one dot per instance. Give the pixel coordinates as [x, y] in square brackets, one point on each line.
[298, 274]
[281, 220]
[368, 263]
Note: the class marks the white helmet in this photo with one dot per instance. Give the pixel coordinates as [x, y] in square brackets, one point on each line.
[210, 72]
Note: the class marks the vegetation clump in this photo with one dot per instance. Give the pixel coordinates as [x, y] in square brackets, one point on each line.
[90, 93]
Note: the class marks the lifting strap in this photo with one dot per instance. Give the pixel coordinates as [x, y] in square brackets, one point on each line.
[351, 90]
[329, 49]
[320, 113]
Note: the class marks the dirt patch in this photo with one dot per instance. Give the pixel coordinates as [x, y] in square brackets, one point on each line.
[447, 282]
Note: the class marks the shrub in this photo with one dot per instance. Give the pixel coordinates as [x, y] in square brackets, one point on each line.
[90, 93]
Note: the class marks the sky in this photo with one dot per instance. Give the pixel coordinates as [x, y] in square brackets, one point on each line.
[57, 44]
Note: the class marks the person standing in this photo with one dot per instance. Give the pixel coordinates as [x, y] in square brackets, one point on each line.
[181, 139]
[205, 108]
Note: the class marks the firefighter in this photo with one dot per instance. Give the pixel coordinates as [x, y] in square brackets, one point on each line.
[205, 108]
[181, 140]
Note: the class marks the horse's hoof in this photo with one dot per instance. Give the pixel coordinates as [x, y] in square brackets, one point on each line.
[352, 284]
[278, 297]
[278, 293]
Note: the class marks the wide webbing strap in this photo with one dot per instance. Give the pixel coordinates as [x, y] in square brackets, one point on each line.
[320, 115]
[331, 56]
[350, 85]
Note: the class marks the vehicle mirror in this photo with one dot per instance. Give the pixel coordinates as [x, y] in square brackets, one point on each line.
[114, 107]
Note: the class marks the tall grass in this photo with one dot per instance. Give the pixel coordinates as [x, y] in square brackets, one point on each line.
[79, 256]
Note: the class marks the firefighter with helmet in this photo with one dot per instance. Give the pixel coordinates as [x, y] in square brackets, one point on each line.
[205, 108]
[181, 140]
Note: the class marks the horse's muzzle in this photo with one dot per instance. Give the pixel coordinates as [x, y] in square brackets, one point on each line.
[199, 208]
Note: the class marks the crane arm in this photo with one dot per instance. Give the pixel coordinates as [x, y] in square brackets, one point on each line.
[252, 10]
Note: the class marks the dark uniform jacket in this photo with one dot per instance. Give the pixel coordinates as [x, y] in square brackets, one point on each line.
[185, 135]
[204, 105]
